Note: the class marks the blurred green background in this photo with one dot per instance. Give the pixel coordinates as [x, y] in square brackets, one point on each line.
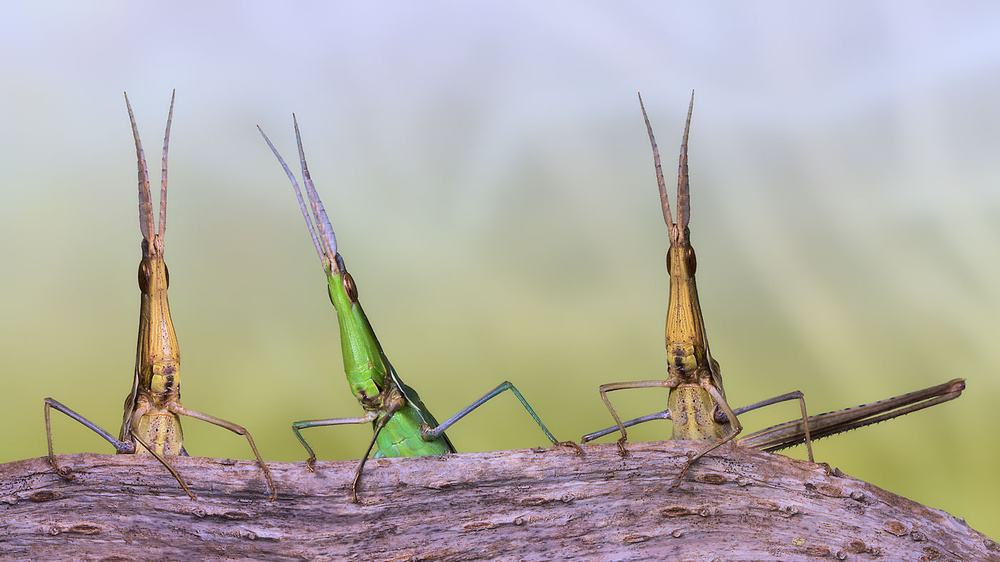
[490, 180]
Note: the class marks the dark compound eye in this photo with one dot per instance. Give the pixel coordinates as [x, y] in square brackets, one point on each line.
[350, 287]
[690, 260]
[166, 272]
[144, 274]
[668, 260]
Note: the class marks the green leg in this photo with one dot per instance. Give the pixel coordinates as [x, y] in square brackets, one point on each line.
[394, 407]
[370, 416]
[299, 425]
[432, 433]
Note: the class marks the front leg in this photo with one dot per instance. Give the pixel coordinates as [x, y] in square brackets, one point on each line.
[237, 429]
[121, 447]
[604, 389]
[395, 403]
[173, 471]
[300, 425]
[735, 426]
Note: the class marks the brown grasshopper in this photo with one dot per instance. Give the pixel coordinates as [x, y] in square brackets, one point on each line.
[696, 403]
[151, 422]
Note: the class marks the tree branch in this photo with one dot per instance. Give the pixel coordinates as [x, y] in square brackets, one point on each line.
[537, 504]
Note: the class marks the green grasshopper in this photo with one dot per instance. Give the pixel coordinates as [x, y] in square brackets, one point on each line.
[151, 422]
[696, 402]
[403, 426]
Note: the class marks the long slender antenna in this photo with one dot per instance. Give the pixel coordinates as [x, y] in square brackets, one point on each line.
[317, 222]
[664, 201]
[683, 189]
[145, 200]
[162, 227]
[319, 213]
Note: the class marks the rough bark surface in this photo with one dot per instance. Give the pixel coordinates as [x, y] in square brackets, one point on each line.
[537, 504]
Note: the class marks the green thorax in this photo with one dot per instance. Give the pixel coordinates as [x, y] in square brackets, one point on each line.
[372, 379]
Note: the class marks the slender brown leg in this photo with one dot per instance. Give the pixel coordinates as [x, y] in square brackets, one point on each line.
[237, 429]
[605, 388]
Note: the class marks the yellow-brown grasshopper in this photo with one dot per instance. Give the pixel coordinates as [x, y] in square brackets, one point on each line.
[697, 402]
[151, 422]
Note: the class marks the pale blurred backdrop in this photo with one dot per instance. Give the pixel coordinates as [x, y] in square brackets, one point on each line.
[490, 181]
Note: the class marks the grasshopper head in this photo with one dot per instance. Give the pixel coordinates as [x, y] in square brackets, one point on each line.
[158, 361]
[686, 344]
